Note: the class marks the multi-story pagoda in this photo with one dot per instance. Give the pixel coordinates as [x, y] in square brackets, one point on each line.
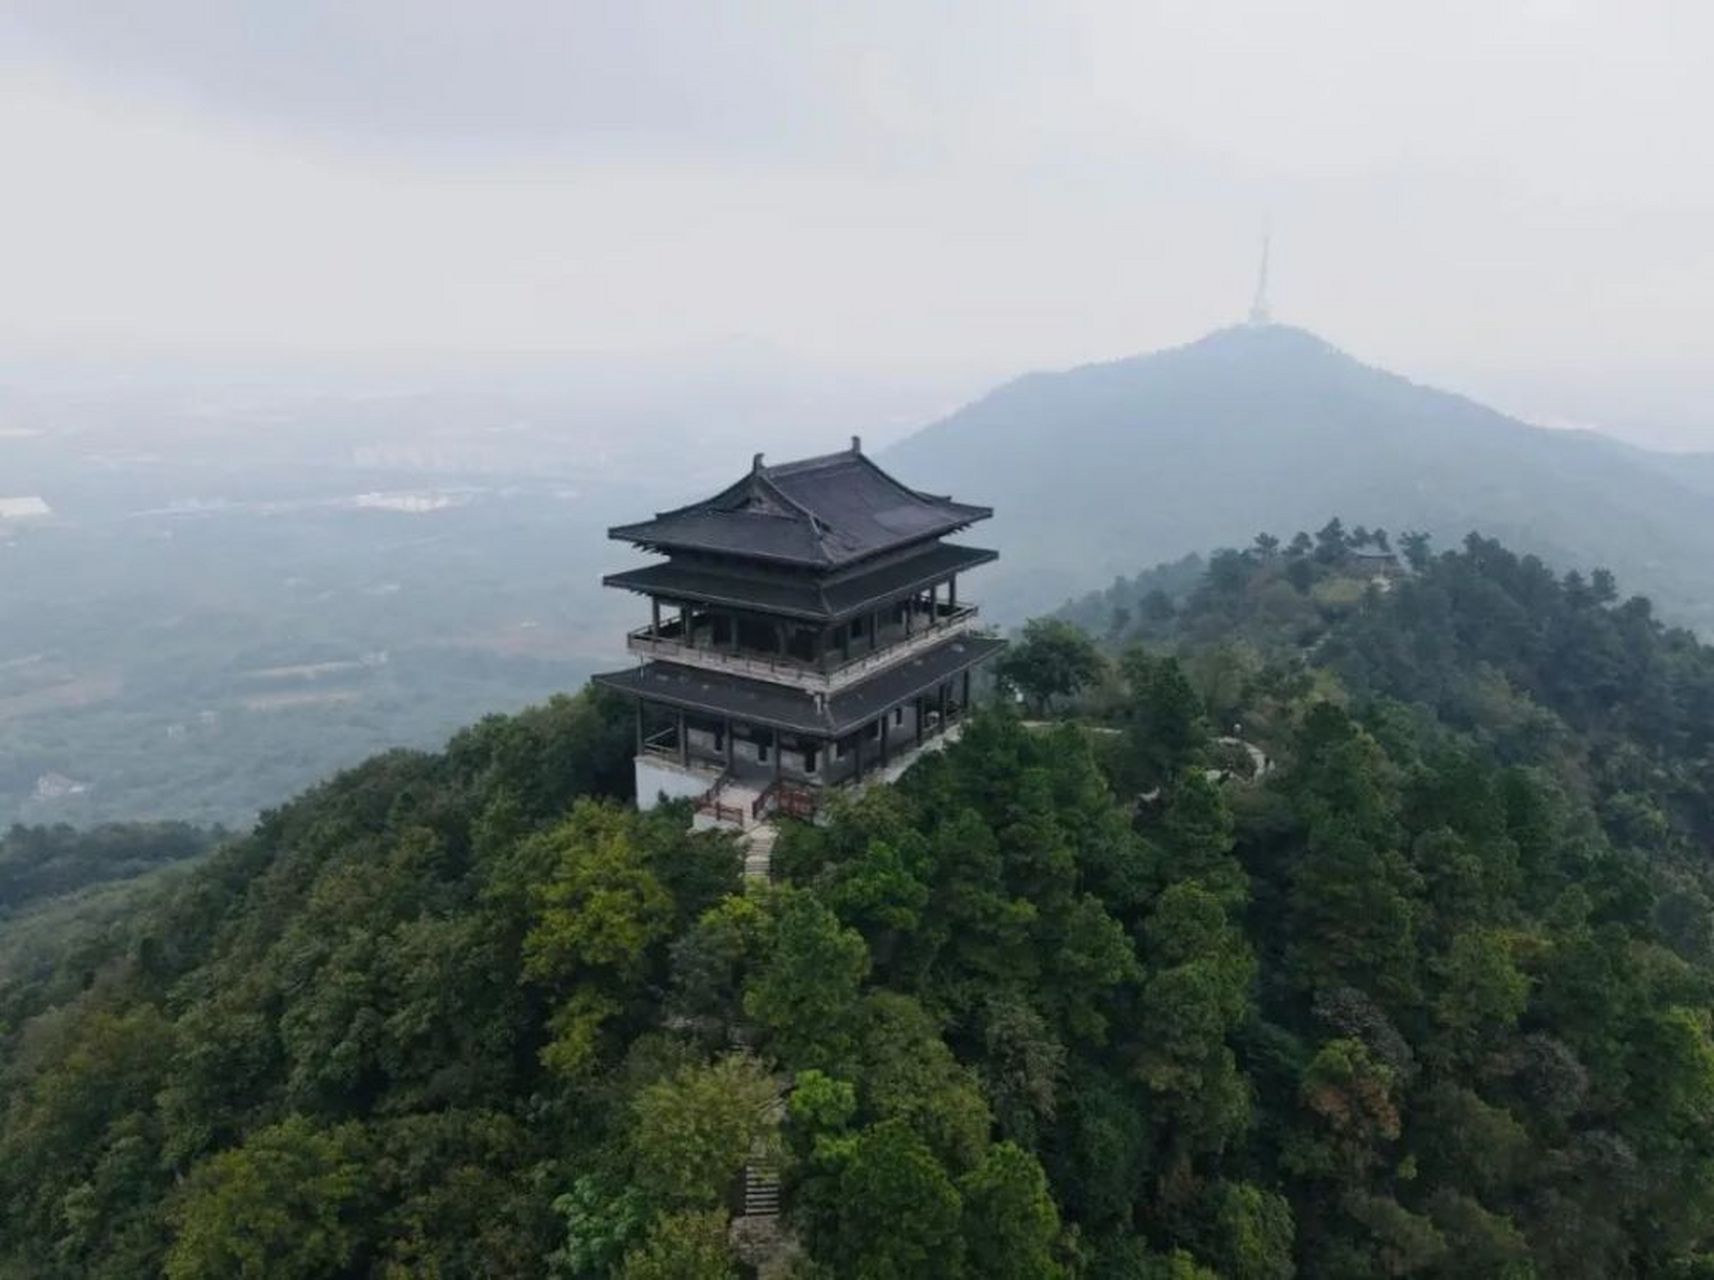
[806, 632]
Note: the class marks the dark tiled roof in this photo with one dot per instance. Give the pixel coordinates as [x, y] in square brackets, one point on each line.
[850, 595]
[820, 512]
[756, 701]
[813, 599]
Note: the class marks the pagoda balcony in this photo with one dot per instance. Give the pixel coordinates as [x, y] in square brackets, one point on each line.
[893, 642]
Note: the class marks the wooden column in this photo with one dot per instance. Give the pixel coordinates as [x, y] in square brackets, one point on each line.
[683, 743]
[952, 592]
[639, 726]
[942, 692]
[910, 611]
[885, 734]
[654, 618]
[934, 604]
[687, 631]
[779, 750]
[726, 737]
[780, 638]
[916, 711]
[966, 706]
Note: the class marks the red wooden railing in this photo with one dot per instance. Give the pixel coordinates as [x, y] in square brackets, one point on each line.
[710, 802]
[795, 801]
[762, 801]
[789, 798]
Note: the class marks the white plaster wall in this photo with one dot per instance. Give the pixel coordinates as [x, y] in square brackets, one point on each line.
[657, 777]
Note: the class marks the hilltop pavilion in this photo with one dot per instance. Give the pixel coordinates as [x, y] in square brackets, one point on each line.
[805, 633]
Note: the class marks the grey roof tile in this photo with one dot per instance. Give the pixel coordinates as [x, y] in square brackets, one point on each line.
[820, 512]
[811, 599]
[781, 707]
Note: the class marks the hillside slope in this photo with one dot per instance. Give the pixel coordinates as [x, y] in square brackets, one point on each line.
[1429, 996]
[1095, 470]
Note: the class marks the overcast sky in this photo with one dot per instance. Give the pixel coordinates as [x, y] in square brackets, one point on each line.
[1494, 194]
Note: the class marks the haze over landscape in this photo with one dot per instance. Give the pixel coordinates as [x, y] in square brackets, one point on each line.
[1300, 862]
[1504, 200]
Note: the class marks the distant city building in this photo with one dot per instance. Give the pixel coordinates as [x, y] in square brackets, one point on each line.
[806, 633]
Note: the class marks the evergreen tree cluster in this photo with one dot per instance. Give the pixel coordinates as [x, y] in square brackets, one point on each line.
[1425, 992]
[38, 863]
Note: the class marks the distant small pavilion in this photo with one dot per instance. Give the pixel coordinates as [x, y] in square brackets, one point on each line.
[805, 632]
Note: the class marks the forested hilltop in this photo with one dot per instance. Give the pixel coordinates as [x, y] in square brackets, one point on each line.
[1321, 921]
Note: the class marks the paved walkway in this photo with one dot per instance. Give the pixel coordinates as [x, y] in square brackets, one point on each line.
[1260, 763]
[1261, 766]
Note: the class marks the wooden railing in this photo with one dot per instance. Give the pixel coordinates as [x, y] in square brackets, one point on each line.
[830, 672]
[797, 802]
[899, 645]
[710, 802]
[790, 798]
[764, 799]
[663, 744]
[723, 812]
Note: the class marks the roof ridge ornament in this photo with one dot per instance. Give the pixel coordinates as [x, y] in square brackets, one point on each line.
[856, 444]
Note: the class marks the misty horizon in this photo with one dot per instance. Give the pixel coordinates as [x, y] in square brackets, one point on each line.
[1500, 203]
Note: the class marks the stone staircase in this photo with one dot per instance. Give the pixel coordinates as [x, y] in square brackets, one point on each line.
[758, 845]
[736, 811]
[762, 1190]
[760, 1236]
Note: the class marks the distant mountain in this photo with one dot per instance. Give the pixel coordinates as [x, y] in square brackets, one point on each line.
[1100, 470]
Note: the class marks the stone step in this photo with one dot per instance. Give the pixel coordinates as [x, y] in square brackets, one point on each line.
[759, 851]
[761, 1193]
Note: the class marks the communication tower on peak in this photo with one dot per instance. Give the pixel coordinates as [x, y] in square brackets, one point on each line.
[1260, 315]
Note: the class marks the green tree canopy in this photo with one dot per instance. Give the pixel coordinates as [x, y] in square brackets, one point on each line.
[1053, 659]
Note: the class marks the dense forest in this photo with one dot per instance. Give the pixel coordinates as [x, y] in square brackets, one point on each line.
[38, 863]
[1322, 919]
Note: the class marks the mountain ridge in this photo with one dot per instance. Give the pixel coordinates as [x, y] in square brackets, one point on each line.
[1099, 469]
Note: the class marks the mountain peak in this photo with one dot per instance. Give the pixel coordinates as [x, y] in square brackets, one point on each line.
[1273, 341]
[1095, 470]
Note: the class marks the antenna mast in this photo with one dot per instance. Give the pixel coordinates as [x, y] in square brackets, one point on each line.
[1259, 313]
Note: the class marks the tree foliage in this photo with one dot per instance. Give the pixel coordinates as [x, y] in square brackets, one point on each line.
[1052, 659]
[1426, 991]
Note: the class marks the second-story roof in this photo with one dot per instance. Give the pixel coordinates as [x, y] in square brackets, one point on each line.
[819, 512]
[826, 599]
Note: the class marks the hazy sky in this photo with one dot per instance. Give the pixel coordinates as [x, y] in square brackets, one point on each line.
[1493, 194]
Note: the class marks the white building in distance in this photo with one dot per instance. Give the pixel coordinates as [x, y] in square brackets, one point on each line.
[27, 508]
